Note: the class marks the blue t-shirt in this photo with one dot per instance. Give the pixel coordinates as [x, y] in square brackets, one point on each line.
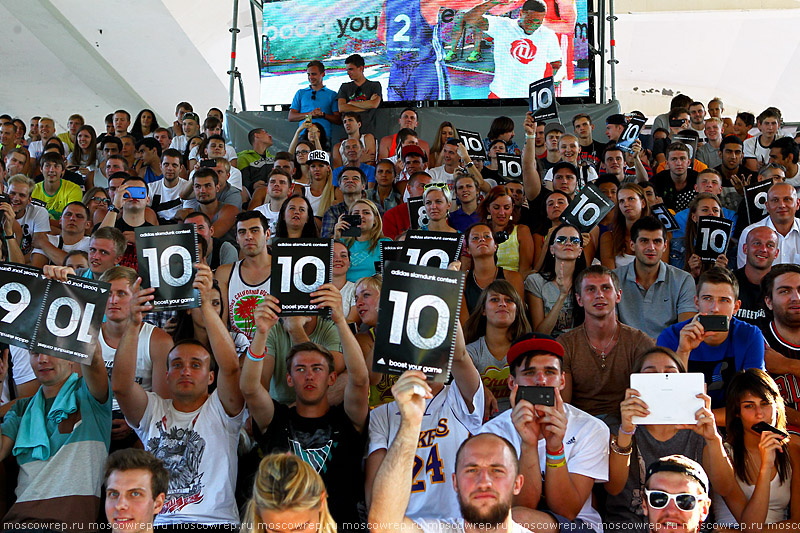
[306, 100]
[150, 176]
[743, 349]
[461, 221]
[362, 260]
[368, 170]
[677, 242]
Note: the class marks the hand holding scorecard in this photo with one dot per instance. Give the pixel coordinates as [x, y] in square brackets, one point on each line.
[56, 318]
[300, 267]
[166, 256]
[542, 99]
[587, 209]
[713, 234]
[417, 317]
[473, 143]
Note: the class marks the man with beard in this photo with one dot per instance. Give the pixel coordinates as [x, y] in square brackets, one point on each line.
[781, 289]
[453, 414]
[486, 475]
[734, 173]
[352, 182]
[205, 184]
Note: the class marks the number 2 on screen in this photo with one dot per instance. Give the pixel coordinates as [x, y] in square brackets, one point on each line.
[400, 36]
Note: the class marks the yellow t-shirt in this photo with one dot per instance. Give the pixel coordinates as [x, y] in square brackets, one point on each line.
[65, 137]
[66, 193]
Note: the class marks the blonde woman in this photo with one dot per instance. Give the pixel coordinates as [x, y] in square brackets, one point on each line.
[364, 249]
[288, 495]
[320, 192]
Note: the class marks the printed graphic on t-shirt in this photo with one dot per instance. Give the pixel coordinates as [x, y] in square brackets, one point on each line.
[181, 450]
[314, 448]
[242, 306]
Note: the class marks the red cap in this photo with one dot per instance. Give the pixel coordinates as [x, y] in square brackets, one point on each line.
[413, 149]
[534, 342]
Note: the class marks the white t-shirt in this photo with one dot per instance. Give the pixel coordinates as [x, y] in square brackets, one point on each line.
[447, 422]
[55, 240]
[348, 293]
[440, 175]
[519, 56]
[230, 153]
[271, 215]
[585, 448]
[199, 451]
[752, 149]
[167, 197]
[36, 149]
[35, 220]
[23, 372]
[179, 143]
[144, 365]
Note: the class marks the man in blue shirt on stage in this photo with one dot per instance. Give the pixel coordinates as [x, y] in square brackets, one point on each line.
[317, 101]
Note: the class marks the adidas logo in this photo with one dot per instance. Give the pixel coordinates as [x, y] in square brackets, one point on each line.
[570, 441]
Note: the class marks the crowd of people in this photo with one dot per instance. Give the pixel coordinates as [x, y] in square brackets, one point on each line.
[183, 419]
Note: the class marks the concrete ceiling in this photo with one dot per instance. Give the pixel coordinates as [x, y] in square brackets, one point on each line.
[94, 56]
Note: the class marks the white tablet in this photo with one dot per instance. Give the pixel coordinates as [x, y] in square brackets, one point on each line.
[670, 398]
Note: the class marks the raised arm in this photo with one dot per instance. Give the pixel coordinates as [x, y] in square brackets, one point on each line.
[464, 372]
[530, 174]
[96, 376]
[475, 16]
[356, 392]
[255, 394]
[392, 487]
[221, 345]
[131, 396]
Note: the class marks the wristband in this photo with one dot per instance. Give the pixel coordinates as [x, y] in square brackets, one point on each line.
[626, 432]
[559, 451]
[619, 450]
[530, 136]
[9, 236]
[557, 465]
[254, 357]
[555, 457]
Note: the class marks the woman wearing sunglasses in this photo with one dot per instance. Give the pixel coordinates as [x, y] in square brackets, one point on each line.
[516, 251]
[634, 448]
[437, 199]
[548, 292]
[766, 464]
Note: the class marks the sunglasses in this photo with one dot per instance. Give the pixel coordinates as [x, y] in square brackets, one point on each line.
[438, 185]
[303, 152]
[313, 95]
[658, 499]
[563, 239]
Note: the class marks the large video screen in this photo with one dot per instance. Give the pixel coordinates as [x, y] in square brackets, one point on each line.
[424, 50]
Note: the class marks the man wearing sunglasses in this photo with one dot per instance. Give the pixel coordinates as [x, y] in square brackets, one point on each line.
[676, 494]
[315, 101]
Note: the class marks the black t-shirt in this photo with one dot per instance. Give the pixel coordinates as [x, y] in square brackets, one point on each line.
[332, 446]
[752, 308]
[788, 384]
[674, 199]
[593, 154]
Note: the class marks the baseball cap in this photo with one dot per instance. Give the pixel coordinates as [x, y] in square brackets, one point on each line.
[533, 342]
[413, 149]
[191, 116]
[319, 155]
[565, 164]
[682, 465]
[617, 119]
[553, 126]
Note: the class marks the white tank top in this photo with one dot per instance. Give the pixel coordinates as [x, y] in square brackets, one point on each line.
[242, 300]
[314, 201]
[144, 365]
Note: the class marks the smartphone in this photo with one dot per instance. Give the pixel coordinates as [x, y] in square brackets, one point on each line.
[761, 427]
[208, 163]
[354, 230]
[500, 237]
[714, 322]
[675, 123]
[138, 193]
[537, 395]
[4, 199]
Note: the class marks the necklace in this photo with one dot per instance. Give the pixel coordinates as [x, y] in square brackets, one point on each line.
[602, 352]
